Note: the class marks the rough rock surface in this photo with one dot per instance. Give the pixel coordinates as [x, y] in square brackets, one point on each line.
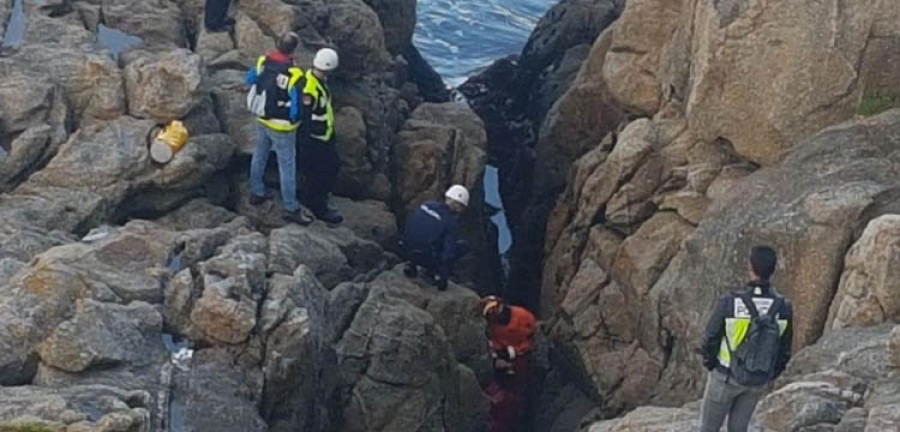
[163, 87]
[410, 365]
[629, 285]
[81, 408]
[101, 309]
[732, 62]
[838, 384]
[440, 145]
[333, 255]
[651, 419]
[868, 287]
[634, 64]
[105, 335]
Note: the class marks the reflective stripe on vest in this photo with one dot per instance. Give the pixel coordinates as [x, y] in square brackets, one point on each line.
[322, 110]
[736, 330]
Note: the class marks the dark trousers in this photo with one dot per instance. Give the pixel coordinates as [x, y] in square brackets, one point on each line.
[431, 260]
[320, 164]
[215, 16]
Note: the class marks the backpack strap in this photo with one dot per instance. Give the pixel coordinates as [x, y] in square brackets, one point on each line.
[748, 301]
[777, 306]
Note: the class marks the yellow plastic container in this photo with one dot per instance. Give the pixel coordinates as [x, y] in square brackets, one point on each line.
[169, 141]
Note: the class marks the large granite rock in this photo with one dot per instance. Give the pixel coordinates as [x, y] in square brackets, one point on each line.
[163, 87]
[440, 145]
[815, 401]
[105, 335]
[157, 22]
[119, 266]
[866, 295]
[289, 368]
[333, 255]
[398, 17]
[577, 121]
[615, 259]
[651, 419]
[78, 408]
[757, 97]
[217, 395]
[369, 159]
[567, 24]
[230, 284]
[102, 165]
[384, 360]
[634, 64]
[809, 218]
[359, 36]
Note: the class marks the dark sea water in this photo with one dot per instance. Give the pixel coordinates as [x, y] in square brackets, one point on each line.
[460, 37]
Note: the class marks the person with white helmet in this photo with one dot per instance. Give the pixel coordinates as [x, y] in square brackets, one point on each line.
[320, 162]
[431, 237]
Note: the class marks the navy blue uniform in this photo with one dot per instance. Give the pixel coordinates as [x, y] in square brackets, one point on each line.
[216, 15]
[431, 238]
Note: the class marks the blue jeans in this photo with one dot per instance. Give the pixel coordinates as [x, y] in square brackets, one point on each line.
[284, 145]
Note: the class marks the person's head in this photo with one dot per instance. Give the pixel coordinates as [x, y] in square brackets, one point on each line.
[495, 310]
[763, 261]
[288, 43]
[457, 198]
[326, 60]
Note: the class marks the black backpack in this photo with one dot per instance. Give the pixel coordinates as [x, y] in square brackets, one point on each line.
[753, 363]
[269, 98]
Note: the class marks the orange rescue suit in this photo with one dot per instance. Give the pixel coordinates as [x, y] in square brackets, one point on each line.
[519, 333]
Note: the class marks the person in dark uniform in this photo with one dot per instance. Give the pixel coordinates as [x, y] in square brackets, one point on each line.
[215, 16]
[320, 162]
[747, 345]
[431, 238]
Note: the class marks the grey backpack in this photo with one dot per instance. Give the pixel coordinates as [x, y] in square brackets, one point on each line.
[753, 363]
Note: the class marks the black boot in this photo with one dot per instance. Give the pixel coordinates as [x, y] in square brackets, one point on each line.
[329, 215]
[257, 200]
[411, 270]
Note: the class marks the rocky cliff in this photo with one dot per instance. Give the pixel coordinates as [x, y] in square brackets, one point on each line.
[691, 131]
[114, 269]
[643, 147]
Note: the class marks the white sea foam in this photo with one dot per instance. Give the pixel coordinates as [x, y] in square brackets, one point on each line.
[461, 37]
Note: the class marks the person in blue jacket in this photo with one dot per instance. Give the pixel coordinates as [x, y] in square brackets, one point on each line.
[274, 99]
[431, 238]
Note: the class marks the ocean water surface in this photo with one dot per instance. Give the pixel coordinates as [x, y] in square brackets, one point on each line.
[461, 37]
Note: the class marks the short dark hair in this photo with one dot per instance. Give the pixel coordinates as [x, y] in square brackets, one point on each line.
[763, 261]
[288, 43]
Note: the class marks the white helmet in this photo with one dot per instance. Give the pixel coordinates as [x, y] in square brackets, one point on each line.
[459, 194]
[326, 60]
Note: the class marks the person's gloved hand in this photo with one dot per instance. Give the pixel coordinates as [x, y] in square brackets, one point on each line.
[710, 364]
[508, 354]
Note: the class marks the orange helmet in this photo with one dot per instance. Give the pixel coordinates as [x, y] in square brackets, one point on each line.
[491, 305]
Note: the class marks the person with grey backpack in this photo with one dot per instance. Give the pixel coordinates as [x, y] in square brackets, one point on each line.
[747, 345]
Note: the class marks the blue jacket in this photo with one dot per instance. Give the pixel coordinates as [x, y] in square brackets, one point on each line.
[432, 230]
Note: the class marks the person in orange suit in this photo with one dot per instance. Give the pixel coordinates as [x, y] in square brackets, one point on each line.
[510, 332]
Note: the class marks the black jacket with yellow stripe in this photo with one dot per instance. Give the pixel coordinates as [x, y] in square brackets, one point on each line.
[731, 320]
